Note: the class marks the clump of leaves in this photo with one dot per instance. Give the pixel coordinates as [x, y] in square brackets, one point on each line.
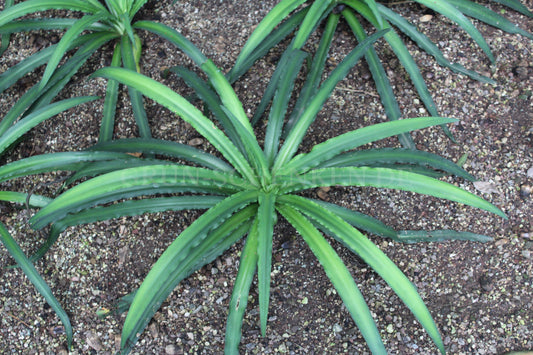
[281, 22]
[101, 22]
[247, 193]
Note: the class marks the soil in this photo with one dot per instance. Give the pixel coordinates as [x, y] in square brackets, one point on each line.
[480, 295]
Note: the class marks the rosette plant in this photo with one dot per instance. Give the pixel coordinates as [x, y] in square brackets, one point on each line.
[102, 22]
[248, 189]
[282, 21]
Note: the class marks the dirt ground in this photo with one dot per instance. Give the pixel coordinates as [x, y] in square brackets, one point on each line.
[480, 295]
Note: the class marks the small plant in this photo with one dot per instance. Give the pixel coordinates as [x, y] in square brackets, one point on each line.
[100, 24]
[281, 21]
[247, 193]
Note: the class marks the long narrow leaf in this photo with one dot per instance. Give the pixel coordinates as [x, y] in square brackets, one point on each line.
[167, 148]
[144, 180]
[265, 27]
[126, 208]
[316, 71]
[329, 149]
[241, 289]
[266, 216]
[166, 273]
[31, 6]
[276, 36]
[387, 178]
[359, 220]
[136, 98]
[375, 157]
[488, 16]
[445, 8]
[19, 197]
[110, 103]
[281, 102]
[296, 135]
[383, 85]
[66, 161]
[34, 99]
[427, 45]
[73, 32]
[340, 277]
[515, 5]
[210, 98]
[177, 104]
[36, 279]
[27, 123]
[374, 257]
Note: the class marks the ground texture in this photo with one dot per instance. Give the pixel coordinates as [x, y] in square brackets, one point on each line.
[480, 295]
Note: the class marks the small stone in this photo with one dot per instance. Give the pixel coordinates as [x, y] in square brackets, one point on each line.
[526, 254]
[525, 191]
[486, 187]
[171, 349]
[196, 141]
[93, 341]
[425, 18]
[530, 172]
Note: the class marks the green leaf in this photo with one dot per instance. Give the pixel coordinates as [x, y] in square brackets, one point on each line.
[137, 104]
[515, 5]
[210, 98]
[28, 199]
[6, 35]
[27, 123]
[266, 216]
[55, 161]
[490, 17]
[359, 220]
[241, 289]
[312, 19]
[427, 45]
[167, 272]
[314, 76]
[373, 256]
[73, 32]
[280, 103]
[33, 99]
[439, 236]
[376, 157]
[264, 28]
[445, 8]
[32, 6]
[383, 85]
[339, 275]
[296, 135]
[126, 208]
[334, 146]
[179, 105]
[144, 180]
[175, 38]
[110, 103]
[36, 279]
[387, 178]
[276, 36]
[166, 148]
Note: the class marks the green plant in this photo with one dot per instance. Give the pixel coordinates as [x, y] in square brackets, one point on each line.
[280, 22]
[99, 25]
[245, 195]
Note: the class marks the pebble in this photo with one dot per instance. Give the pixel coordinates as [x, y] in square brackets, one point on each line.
[171, 349]
[93, 341]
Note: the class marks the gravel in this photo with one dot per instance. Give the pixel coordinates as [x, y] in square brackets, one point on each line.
[480, 295]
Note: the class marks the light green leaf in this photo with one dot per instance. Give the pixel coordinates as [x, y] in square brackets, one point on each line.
[167, 272]
[339, 275]
[36, 279]
[386, 178]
